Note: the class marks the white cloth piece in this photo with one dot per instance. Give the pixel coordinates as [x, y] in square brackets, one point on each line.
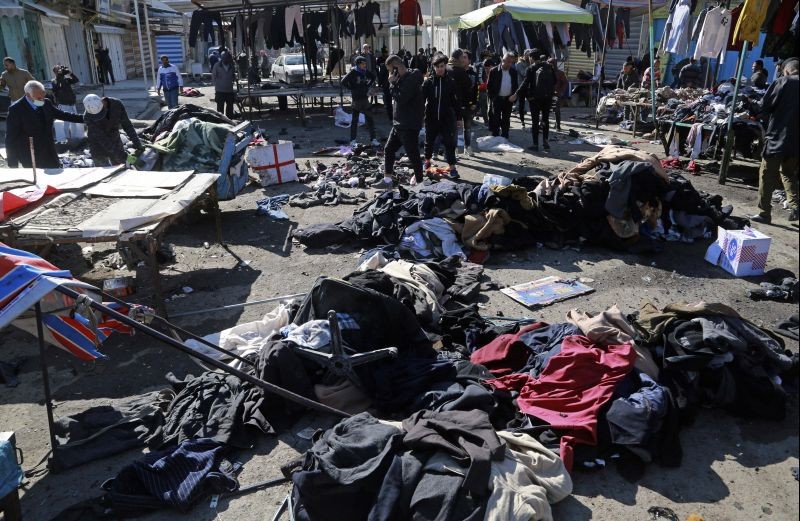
[66, 131]
[528, 480]
[563, 32]
[505, 83]
[342, 119]
[680, 29]
[497, 144]
[314, 334]
[695, 140]
[244, 339]
[294, 15]
[714, 35]
[414, 239]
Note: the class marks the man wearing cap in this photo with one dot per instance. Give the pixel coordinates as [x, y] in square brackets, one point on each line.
[104, 118]
[407, 115]
[359, 80]
[32, 116]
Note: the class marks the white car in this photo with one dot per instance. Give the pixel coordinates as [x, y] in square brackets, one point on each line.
[290, 68]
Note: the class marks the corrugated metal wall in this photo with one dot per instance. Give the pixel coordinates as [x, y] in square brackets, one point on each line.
[33, 50]
[171, 46]
[75, 38]
[55, 44]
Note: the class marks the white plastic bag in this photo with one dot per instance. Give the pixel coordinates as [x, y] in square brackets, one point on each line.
[497, 144]
[342, 119]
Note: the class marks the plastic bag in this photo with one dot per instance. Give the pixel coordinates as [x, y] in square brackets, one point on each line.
[342, 119]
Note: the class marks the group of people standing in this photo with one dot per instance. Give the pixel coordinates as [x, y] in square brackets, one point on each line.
[442, 95]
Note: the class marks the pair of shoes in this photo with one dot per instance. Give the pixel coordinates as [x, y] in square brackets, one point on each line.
[534, 147]
[375, 142]
[546, 145]
[453, 174]
[427, 164]
[763, 218]
[382, 184]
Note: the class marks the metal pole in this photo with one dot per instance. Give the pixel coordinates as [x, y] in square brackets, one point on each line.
[237, 306]
[605, 44]
[726, 155]
[158, 335]
[48, 397]
[33, 160]
[150, 43]
[651, 43]
[141, 45]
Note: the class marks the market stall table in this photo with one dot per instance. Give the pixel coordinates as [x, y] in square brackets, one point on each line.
[298, 94]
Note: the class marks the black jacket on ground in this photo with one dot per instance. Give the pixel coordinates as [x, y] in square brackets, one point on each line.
[780, 103]
[62, 89]
[358, 83]
[442, 103]
[496, 79]
[103, 133]
[409, 105]
[26, 122]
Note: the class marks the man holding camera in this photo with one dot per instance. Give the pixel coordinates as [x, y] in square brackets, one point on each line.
[65, 101]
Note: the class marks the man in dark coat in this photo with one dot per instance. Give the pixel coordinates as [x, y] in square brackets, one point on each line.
[32, 116]
[105, 117]
[441, 110]
[501, 87]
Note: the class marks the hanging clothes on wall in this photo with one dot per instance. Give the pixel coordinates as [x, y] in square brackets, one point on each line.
[259, 27]
[277, 31]
[365, 18]
[203, 22]
[733, 44]
[713, 34]
[505, 35]
[781, 41]
[678, 23]
[410, 13]
[750, 21]
[293, 23]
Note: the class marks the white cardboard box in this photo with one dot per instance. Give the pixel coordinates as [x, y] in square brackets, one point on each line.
[742, 253]
[272, 164]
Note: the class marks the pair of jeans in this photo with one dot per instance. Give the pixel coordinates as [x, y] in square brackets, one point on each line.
[171, 98]
[540, 114]
[361, 106]
[408, 139]
[446, 128]
[225, 102]
[768, 179]
[500, 116]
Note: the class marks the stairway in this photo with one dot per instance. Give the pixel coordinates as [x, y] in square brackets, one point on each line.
[615, 58]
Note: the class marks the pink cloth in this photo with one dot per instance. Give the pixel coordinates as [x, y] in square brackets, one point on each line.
[573, 387]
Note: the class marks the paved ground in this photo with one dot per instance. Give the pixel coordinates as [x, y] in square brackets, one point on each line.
[733, 469]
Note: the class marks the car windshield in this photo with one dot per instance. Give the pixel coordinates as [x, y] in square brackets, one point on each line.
[294, 60]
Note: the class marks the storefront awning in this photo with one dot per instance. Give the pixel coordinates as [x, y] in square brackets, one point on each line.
[54, 16]
[108, 29]
[526, 11]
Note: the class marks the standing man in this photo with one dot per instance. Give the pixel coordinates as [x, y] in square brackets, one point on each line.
[372, 63]
[781, 153]
[32, 116]
[466, 93]
[420, 61]
[105, 117]
[104, 66]
[539, 87]
[214, 59]
[359, 80]
[759, 78]
[382, 77]
[406, 89]
[522, 68]
[441, 107]
[503, 83]
[562, 86]
[224, 76]
[14, 78]
[483, 79]
[169, 78]
[65, 100]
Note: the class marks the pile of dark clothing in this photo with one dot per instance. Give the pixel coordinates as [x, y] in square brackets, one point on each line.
[620, 198]
[164, 124]
[325, 193]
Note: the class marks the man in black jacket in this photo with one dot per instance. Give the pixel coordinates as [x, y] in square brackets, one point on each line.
[359, 80]
[65, 100]
[466, 91]
[781, 104]
[32, 116]
[539, 86]
[441, 108]
[382, 77]
[406, 90]
[689, 76]
[105, 117]
[503, 83]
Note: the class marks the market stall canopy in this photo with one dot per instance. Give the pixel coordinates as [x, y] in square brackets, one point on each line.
[10, 8]
[526, 11]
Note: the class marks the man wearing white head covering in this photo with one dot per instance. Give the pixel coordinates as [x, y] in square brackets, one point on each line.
[104, 118]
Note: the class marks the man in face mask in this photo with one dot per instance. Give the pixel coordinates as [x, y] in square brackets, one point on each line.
[32, 116]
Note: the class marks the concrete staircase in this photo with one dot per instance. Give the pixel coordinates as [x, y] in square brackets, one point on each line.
[615, 58]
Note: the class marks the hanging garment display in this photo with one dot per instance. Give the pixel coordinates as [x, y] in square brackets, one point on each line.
[204, 21]
[677, 41]
[748, 28]
[410, 13]
[714, 34]
[365, 16]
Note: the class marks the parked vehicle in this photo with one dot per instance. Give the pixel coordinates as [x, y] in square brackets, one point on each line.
[290, 68]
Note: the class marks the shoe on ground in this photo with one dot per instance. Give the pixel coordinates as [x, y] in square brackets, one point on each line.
[382, 184]
[546, 145]
[793, 215]
[375, 142]
[453, 173]
[761, 218]
[535, 148]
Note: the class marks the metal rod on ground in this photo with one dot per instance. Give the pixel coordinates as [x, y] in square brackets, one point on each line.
[651, 52]
[48, 397]
[272, 388]
[33, 161]
[726, 155]
[237, 306]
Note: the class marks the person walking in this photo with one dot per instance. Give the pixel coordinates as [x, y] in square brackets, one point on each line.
[441, 108]
[32, 116]
[503, 83]
[359, 80]
[408, 112]
[781, 153]
[14, 79]
[562, 86]
[483, 85]
[522, 68]
[467, 94]
[65, 98]
[104, 66]
[104, 118]
[224, 76]
[169, 78]
[539, 86]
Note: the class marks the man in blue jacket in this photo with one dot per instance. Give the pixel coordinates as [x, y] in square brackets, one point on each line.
[169, 78]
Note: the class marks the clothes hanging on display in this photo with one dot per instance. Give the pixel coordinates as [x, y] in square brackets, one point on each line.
[676, 36]
[204, 20]
[714, 33]
[748, 28]
[410, 13]
[505, 35]
[365, 16]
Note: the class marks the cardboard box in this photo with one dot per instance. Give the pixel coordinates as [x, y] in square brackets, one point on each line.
[272, 164]
[742, 253]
